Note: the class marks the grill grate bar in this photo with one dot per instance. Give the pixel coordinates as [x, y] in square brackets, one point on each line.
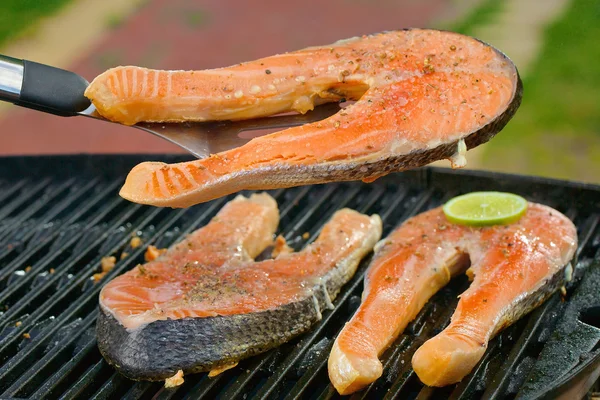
[21, 357]
[499, 383]
[298, 196]
[347, 198]
[73, 195]
[141, 389]
[588, 228]
[207, 387]
[19, 201]
[9, 290]
[167, 394]
[8, 191]
[317, 373]
[112, 385]
[91, 295]
[49, 197]
[77, 214]
[82, 388]
[328, 393]
[61, 377]
[20, 306]
[26, 258]
[403, 384]
[427, 393]
[49, 360]
[304, 217]
[256, 365]
[55, 256]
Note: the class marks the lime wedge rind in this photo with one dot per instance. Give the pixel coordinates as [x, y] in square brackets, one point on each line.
[485, 208]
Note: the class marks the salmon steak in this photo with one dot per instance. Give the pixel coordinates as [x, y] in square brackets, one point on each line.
[205, 303]
[513, 268]
[420, 96]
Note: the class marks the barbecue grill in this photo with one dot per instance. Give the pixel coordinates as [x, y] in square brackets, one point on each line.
[59, 215]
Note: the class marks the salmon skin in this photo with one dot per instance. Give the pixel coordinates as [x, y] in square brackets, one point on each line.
[421, 96]
[206, 304]
[514, 268]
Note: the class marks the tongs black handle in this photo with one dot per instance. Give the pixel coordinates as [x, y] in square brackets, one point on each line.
[42, 87]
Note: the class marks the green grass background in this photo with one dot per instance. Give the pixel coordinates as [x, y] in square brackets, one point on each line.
[17, 17]
[556, 131]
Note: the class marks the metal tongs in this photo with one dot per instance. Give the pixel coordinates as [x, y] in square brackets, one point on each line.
[60, 92]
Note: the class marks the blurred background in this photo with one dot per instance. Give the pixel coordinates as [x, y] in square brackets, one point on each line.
[554, 43]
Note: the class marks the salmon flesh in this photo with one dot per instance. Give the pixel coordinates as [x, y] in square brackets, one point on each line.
[421, 95]
[513, 268]
[206, 304]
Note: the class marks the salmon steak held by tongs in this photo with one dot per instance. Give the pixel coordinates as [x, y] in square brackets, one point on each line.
[513, 268]
[421, 96]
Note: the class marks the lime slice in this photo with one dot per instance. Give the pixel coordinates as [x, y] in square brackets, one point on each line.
[485, 208]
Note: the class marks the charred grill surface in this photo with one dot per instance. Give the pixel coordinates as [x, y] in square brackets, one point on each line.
[60, 215]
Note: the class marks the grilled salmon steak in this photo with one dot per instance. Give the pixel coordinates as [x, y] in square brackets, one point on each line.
[514, 268]
[206, 304]
[421, 96]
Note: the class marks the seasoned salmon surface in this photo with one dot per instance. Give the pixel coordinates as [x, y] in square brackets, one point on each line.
[513, 268]
[421, 96]
[206, 304]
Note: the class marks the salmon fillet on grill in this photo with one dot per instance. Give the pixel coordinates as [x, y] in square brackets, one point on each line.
[206, 304]
[514, 268]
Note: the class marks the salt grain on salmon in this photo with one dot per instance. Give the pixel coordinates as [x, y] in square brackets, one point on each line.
[429, 70]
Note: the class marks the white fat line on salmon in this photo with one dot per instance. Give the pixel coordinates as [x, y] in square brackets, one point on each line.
[124, 82]
[176, 178]
[569, 272]
[133, 81]
[328, 302]
[458, 159]
[144, 83]
[317, 307]
[162, 185]
[187, 174]
[155, 88]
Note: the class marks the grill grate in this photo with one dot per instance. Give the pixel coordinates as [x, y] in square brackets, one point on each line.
[60, 215]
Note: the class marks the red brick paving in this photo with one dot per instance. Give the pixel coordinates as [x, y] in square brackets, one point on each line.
[186, 34]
